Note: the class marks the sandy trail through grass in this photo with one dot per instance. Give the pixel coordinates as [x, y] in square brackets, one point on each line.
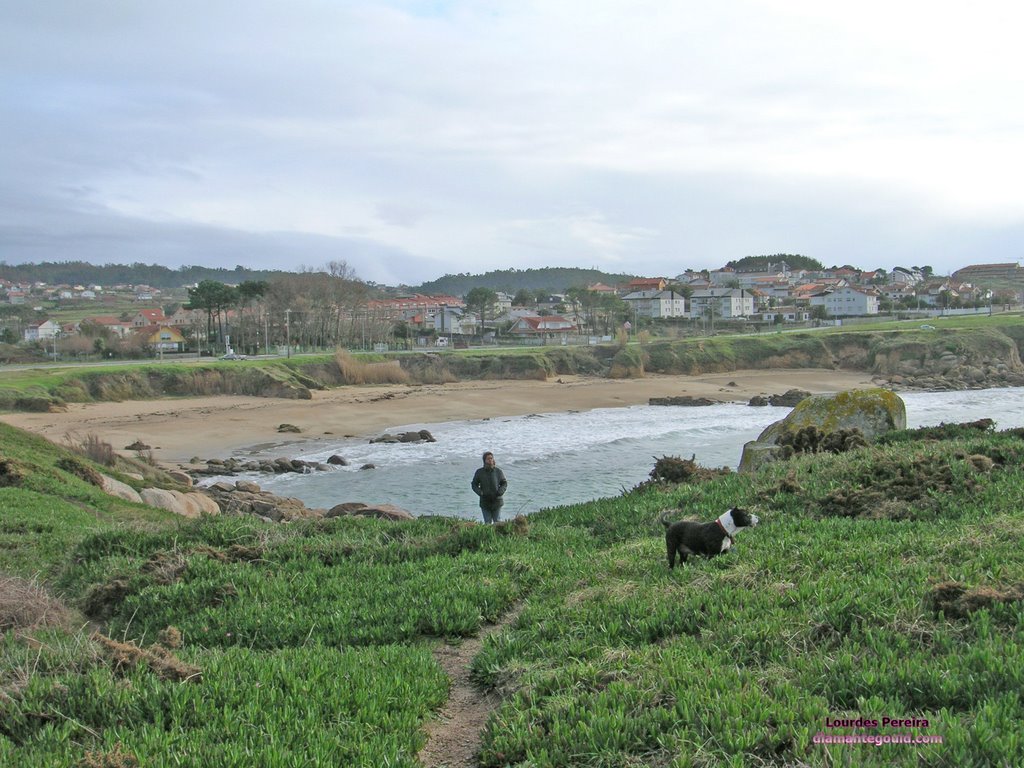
[453, 739]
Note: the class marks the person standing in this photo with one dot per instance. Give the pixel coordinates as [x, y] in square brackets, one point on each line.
[489, 484]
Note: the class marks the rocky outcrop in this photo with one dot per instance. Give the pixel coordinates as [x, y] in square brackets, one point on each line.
[422, 436]
[975, 361]
[359, 509]
[247, 498]
[185, 504]
[683, 400]
[278, 466]
[871, 411]
[788, 399]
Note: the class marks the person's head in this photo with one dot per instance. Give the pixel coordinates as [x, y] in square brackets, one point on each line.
[488, 459]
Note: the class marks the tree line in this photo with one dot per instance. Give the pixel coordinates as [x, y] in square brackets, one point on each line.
[154, 275]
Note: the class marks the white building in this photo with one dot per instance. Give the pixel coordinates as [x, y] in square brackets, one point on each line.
[848, 301]
[656, 304]
[722, 302]
[47, 329]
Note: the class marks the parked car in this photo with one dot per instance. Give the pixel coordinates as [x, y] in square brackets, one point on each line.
[232, 356]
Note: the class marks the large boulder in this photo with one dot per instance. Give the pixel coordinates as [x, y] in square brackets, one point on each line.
[185, 504]
[872, 411]
[121, 490]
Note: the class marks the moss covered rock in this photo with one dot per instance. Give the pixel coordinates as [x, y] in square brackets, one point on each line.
[872, 411]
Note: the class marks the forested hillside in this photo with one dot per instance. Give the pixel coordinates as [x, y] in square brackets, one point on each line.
[80, 272]
[553, 279]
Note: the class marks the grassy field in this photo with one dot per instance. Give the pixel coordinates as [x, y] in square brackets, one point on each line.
[884, 582]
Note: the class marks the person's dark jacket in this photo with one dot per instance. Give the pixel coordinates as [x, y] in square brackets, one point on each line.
[489, 484]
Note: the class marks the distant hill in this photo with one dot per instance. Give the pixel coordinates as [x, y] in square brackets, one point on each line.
[795, 261]
[996, 277]
[553, 279]
[154, 275]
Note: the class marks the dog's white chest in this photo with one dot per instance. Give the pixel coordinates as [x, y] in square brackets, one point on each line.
[726, 544]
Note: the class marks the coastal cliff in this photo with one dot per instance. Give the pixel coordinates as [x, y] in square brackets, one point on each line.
[918, 358]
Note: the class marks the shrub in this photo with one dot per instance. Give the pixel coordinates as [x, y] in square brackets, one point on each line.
[811, 439]
[12, 474]
[95, 449]
[355, 371]
[81, 470]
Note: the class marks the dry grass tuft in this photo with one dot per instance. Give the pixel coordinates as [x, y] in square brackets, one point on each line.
[355, 371]
[981, 463]
[673, 470]
[95, 449]
[160, 660]
[165, 567]
[103, 600]
[517, 526]
[12, 473]
[26, 604]
[115, 758]
[170, 637]
[955, 601]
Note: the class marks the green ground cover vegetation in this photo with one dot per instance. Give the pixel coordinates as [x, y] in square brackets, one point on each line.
[884, 581]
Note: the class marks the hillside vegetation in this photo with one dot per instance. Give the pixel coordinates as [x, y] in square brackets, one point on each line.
[881, 352]
[882, 582]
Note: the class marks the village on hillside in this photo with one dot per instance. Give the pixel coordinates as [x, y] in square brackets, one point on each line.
[141, 321]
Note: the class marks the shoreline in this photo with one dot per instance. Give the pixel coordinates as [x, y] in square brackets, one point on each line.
[180, 429]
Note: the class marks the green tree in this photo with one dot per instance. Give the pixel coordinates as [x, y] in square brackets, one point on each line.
[524, 298]
[480, 300]
[214, 298]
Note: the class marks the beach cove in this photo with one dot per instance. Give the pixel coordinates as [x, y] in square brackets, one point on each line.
[180, 429]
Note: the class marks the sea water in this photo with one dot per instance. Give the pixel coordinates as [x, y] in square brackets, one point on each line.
[551, 459]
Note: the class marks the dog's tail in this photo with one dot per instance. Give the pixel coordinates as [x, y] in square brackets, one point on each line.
[664, 519]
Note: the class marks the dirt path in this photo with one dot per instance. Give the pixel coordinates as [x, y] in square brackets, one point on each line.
[453, 739]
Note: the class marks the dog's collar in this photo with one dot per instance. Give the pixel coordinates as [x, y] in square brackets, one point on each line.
[727, 525]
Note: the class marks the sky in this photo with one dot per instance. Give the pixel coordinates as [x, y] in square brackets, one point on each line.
[417, 139]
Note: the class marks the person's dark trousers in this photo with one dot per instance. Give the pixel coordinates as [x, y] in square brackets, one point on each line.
[491, 515]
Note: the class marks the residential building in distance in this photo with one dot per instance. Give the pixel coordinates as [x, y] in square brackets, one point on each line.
[656, 304]
[646, 284]
[162, 337]
[722, 302]
[547, 329]
[847, 301]
[41, 331]
[146, 317]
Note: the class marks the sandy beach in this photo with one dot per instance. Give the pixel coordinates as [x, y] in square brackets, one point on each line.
[179, 429]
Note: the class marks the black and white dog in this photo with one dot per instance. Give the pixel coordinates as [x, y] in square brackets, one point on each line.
[687, 538]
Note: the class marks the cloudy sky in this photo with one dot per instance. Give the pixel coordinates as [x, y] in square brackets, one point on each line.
[413, 139]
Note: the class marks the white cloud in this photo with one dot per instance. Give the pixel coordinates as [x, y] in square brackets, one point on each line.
[492, 133]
